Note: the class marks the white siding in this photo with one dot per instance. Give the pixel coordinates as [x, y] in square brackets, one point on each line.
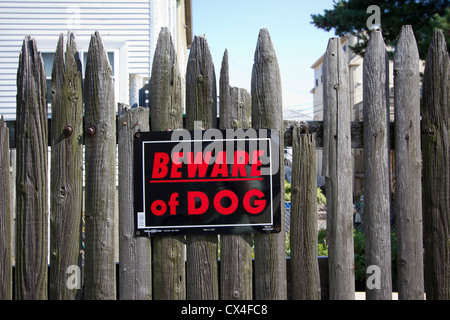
[123, 25]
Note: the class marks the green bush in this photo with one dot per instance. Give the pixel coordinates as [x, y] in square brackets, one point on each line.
[321, 199]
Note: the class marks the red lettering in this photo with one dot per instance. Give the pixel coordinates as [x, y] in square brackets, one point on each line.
[160, 165]
[258, 205]
[256, 163]
[240, 160]
[198, 164]
[176, 164]
[173, 203]
[234, 202]
[220, 166]
[159, 207]
[204, 202]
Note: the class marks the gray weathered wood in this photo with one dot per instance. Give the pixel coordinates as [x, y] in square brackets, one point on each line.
[135, 255]
[201, 113]
[409, 169]
[338, 173]
[66, 168]
[100, 159]
[436, 169]
[201, 91]
[376, 165]
[270, 253]
[304, 264]
[31, 179]
[165, 87]
[5, 216]
[235, 250]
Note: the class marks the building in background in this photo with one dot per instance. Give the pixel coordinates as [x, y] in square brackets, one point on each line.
[129, 31]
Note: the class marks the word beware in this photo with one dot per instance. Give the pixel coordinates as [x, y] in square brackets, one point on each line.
[197, 167]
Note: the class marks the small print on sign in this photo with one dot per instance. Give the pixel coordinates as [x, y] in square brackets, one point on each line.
[213, 181]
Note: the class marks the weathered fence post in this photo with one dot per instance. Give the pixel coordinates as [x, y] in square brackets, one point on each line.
[270, 249]
[436, 169]
[135, 256]
[165, 86]
[408, 169]
[376, 170]
[337, 169]
[100, 159]
[235, 250]
[5, 216]
[66, 170]
[31, 180]
[304, 264]
[201, 107]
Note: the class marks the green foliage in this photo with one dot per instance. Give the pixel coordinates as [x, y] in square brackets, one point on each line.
[322, 247]
[350, 17]
[321, 199]
[287, 191]
[360, 262]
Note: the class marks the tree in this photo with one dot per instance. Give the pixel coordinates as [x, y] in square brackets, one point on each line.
[350, 17]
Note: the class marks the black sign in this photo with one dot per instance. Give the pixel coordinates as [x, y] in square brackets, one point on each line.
[213, 181]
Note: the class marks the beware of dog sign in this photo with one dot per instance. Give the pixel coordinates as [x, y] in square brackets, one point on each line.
[213, 181]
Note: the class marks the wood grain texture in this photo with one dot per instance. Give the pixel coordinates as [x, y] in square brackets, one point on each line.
[303, 232]
[169, 251]
[436, 168]
[270, 255]
[100, 159]
[31, 178]
[376, 165]
[338, 173]
[409, 171]
[135, 254]
[66, 167]
[6, 285]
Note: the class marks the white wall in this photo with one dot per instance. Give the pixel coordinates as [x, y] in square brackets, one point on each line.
[124, 27]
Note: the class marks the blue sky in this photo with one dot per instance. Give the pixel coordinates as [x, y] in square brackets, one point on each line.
[235, 24]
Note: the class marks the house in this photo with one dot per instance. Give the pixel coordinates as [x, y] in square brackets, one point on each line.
[129, 31]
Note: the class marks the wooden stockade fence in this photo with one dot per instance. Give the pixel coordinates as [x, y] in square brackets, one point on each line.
[157, 267]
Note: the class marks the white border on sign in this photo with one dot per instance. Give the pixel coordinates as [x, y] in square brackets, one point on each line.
[141, 215]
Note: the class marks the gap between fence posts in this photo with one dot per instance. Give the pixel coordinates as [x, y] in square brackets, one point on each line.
[5, 216]
[169, 273]
[100, 160]
[337, 169]
[408, 173]
[32, 179]
[202, 277]
[303, 232]
[235, 250]
[270, 249]
[376, 166]
[436, 168]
